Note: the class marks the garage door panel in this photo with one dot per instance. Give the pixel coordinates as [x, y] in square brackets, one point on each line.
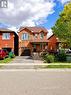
[26, 52]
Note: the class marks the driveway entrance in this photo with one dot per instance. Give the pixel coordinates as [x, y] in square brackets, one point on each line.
[25, 60]
[22, 62]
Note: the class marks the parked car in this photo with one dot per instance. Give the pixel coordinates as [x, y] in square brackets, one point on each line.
[68, 51]
[2, 54]
[7, 53]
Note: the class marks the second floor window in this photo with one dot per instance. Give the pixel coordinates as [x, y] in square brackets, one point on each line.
[35, 36]
[6, 36]
[41, 35]
[25, 36]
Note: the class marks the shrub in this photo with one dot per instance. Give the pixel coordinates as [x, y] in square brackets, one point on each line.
[43, 55]
[61, 57]
[11, 54]
[62, 51]
[49, 58]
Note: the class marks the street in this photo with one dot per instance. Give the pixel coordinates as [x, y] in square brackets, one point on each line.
[35, 82]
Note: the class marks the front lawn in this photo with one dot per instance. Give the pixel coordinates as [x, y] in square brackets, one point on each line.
[57, 65]
[6, 60]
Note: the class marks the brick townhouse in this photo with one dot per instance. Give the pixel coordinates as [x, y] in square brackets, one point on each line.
[34, 39]
[27, 41]
[9, 40]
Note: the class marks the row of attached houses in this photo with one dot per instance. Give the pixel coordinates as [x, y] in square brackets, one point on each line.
[27, 41]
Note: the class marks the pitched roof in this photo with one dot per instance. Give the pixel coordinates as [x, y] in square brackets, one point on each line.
[5, 30]
[35, 29]
[50, 36]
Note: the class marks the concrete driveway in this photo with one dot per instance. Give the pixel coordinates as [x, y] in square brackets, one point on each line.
[25, 60]
[22, 62]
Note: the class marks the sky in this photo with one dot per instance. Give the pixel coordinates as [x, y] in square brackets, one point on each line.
[42, 13]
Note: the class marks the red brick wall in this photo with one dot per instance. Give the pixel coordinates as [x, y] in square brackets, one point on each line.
[27, 44]
[24, 43]
[52, 43]
[7, 43]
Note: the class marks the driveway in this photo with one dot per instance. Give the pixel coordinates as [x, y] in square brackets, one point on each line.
[25, 60]
[22, 62]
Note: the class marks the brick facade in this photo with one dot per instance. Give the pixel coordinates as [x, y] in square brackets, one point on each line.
[32, 44]
[40, 44]
[9, 44]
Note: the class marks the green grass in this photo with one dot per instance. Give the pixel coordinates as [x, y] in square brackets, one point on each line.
[6, 60]
[57, 65]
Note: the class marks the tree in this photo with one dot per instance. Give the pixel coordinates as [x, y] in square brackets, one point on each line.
[62, 28]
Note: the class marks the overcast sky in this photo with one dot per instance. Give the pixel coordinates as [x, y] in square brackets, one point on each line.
[31, 13]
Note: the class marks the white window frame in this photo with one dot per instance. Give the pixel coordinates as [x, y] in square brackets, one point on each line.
[3, 3]
[5, 36]
[41, 35]
[25, 36]
[35, 36]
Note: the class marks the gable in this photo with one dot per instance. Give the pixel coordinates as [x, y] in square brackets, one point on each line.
[34, 29]
[42, 31]
[52, 39]
[24, 30]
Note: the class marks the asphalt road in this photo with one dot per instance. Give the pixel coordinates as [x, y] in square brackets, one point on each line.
[35, 82]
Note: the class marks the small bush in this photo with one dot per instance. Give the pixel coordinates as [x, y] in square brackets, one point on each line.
[49, 58]
[62, 51]
[43, 55]
[11, 55]
[61, 57]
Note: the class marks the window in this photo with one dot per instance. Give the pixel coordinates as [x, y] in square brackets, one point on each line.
[41, 35]
[25, 36]
[40, 46]
[36, 36]
[3, 3]
[6, 36]
[34, 45]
